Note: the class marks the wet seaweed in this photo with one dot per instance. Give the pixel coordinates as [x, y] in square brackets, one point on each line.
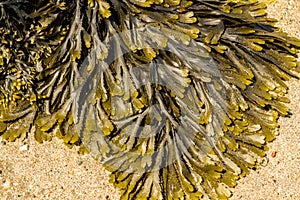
[177, 99]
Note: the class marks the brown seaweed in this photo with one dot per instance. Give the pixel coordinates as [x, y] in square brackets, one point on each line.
[176, 98]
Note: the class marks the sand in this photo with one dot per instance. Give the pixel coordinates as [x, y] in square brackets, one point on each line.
[51, 170]
[280, 178]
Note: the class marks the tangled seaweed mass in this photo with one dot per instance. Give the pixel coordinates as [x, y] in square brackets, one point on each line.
[177, 99]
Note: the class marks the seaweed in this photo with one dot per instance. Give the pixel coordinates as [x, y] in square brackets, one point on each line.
[177, 99]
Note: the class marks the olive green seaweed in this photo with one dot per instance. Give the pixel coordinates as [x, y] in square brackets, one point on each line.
[212, 108]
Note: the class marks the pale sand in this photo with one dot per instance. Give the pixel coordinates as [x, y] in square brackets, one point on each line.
[280, 178]
[53, 171]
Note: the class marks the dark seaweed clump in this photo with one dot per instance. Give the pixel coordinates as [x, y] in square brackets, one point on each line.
[176, 98]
